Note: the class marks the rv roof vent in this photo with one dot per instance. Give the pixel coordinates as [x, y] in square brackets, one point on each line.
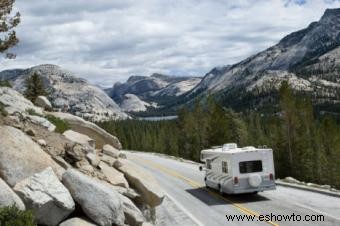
[229, 146]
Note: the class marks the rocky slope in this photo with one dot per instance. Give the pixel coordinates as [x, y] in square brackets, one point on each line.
[308, 59]
[132, 103]
[139, 92]
[68, 92]
[70, 178]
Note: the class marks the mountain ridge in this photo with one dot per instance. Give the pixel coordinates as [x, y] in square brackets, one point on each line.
[293, 59]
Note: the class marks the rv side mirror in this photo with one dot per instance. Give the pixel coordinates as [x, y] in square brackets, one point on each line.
[200, 168]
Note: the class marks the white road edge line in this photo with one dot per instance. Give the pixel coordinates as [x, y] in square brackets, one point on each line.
[183, 209]
[317, 211]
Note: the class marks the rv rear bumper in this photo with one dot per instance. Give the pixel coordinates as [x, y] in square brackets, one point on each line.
[251, 190]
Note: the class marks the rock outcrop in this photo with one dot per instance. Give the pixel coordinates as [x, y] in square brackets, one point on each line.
[132, 214]
[108, 159]
[34, 160]
[132, 103]
[99, 201]
[142, 181]
[16, 102]
[90, 129]
[113, 176]
[8, 197]
[42, 122]
[20, 157]
[43, 102]
[46, 196]
[80, 138]
[69, 93]
[110, 151]
[93, 159]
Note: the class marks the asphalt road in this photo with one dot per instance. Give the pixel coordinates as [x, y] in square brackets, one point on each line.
[184, 183]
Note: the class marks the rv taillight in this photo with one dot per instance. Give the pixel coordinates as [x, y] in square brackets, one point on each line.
[271, 176]
[235, 180]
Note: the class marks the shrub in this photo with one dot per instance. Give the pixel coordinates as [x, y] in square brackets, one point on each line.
[12, 216]
[61, 125]
[5, 83]
[3, 111]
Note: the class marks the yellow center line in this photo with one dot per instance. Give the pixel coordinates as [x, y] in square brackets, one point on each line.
[195, 184]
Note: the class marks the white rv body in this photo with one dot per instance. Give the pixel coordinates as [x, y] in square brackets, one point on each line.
[234, 170]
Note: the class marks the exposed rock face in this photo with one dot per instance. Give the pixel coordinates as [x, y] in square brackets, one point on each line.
[132, 214]
[99, 201]
[41, 142]
[46, 196]
[69, 93]
[90, 129]
[41, 121]
[80, 138]
[113, 176]
[8, 197]
[85, 167]
[15, 102]
[108, 159]
[93, 159]
[43, 102]
[142, 181]
[76, 222]
[76, 152]
[178, 88]
[20, 157]
[132, 102]
[110, 151]
[128, 192]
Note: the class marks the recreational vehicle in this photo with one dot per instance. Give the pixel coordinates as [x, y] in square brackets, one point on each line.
[234, 170]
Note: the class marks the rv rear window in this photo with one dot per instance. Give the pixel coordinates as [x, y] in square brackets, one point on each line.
[250, 166]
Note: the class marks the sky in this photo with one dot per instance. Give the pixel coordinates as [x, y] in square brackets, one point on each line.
[105, 41]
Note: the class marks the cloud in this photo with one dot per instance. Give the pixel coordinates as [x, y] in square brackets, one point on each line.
[106, 41]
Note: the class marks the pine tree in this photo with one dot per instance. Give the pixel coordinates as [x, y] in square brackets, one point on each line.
[307, 155]
[8, 22]
[287, 104]
[237, 128]
[34, 87]
[329, 133]
[218, 132]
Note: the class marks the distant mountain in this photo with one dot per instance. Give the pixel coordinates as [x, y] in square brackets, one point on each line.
[309, 59]
[68, 92]
[132, 103]
[150, 91]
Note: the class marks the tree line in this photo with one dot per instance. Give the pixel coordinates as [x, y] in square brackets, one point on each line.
[305, 147]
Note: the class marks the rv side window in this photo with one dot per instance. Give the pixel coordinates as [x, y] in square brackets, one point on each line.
[208, 163]
[224, 167]
[250, 166]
